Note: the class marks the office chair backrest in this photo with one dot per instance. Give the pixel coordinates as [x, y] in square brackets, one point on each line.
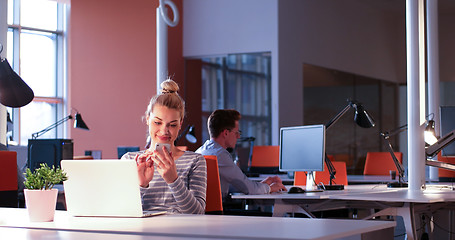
[265, 156]
[124, 149]
[380, 163]
[214, 202]
[8, 171]
[341, 176]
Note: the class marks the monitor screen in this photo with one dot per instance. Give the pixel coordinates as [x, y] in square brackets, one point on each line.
[302, 148]
[447, 114]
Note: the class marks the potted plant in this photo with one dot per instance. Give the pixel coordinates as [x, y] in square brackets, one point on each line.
[40, 197]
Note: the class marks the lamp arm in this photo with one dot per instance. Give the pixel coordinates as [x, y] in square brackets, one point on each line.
[330, 168]
[338, 116]
[37, 134]
[182, 134]
[434, 149]
[395, 160]
[395, 131]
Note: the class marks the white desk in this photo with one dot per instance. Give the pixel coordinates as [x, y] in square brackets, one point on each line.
[187, 226]
[390, 201]
[370, 179]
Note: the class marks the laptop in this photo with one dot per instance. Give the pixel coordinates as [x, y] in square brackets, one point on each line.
[103, 188]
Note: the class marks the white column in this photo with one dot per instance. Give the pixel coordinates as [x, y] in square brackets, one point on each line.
[415, 56]
[3, 31]
[433, 71]
[161, 49]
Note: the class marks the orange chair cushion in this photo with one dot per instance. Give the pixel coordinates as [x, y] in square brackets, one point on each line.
[265, 156]
[213, 192]
[380, 163]
[8, 171]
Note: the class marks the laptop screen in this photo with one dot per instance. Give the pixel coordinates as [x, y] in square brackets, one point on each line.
[108, 187]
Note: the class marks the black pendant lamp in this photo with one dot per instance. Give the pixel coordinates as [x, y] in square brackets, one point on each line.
[14, 92]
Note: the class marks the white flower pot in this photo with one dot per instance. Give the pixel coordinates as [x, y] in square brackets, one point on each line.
[41, 204]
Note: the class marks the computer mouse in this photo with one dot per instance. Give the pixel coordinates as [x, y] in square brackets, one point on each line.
[296, 190]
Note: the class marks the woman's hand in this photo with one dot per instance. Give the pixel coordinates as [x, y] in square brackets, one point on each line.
[165, 165]
[145, 168]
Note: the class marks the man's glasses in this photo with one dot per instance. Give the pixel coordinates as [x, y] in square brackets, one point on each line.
[238, 133]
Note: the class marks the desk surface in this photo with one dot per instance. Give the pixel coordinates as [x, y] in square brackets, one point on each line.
[203, 226]
[352, 179]
[370, 179]
[433, 194]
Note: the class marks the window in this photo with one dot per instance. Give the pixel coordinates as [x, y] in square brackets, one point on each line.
[241, 82]
[36, 50]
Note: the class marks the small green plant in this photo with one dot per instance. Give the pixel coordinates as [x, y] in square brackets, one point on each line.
[44, 177]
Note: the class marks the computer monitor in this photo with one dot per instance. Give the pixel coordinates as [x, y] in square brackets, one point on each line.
[49, 151]
[302, 148]
[447, 114]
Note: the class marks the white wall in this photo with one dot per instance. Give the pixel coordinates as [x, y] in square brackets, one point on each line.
[217, 27]
[349, 35]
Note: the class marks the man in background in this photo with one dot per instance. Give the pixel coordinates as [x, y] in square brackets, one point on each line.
[223, 127]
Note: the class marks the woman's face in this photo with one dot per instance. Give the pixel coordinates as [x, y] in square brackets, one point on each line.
[164, 124]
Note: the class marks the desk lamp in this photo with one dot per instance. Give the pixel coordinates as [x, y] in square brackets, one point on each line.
[78, 123]
[434, 146]
[386, 136]
[189, 134]
[14, 92]
[363, 119]
[432, 150]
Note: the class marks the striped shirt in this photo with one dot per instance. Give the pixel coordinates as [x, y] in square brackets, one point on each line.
[185, 195]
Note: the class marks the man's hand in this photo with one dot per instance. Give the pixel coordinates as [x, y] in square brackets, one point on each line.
[275, 184]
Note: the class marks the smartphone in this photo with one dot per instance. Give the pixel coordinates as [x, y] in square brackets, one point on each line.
[159, 147]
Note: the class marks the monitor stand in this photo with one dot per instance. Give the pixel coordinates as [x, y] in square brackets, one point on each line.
[310, 185]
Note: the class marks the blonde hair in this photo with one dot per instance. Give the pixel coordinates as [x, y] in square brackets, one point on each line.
[169, 98]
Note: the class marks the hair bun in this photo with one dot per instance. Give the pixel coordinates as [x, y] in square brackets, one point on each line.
[169, 86]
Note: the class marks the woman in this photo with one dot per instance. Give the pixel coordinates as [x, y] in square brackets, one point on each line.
[173, 180]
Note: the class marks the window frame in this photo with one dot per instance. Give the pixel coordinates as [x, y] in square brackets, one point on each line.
[219, 69]
[61, 72]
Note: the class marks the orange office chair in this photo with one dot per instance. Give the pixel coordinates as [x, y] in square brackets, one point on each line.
[341, 176]
[214, 203]
[380, 163]
[446, 175]
[265, 159]
[8, 179]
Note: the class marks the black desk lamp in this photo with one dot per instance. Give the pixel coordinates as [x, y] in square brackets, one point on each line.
[386, 136]
[434, 146]
[14, 92]
[363, 119]
[189, 134]
[432, 150]
[78, 123]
